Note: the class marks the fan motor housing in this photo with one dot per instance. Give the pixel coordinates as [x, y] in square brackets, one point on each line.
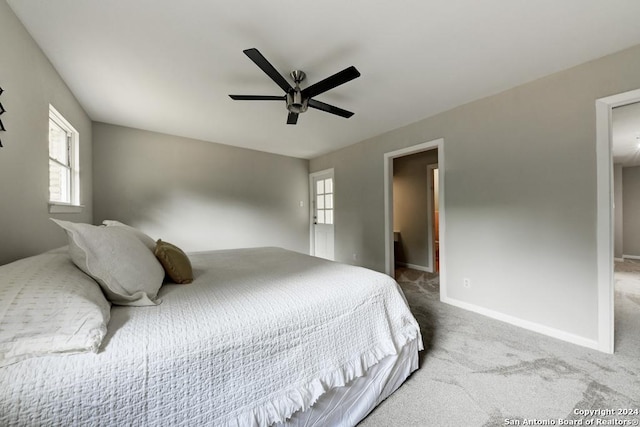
[296, 103]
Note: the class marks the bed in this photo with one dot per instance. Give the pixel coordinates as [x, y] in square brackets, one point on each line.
[262, 336]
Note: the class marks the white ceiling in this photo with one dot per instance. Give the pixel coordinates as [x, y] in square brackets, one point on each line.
[626, 135]
[168, 66]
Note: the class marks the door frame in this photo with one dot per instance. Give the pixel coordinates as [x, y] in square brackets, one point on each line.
[388, 204]
[431, 237]
[604, 214]
[312, 192]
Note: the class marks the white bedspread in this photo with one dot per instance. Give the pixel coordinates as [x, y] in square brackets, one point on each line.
[260, 334]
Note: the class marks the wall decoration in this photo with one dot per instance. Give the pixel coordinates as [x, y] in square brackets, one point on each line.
[2, 111]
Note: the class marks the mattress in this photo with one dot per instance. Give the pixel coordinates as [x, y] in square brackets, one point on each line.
[260, 335]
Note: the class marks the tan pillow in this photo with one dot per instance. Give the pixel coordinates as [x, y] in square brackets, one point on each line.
[175, 262]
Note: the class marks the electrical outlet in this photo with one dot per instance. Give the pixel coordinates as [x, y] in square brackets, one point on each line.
[466, 282]
[355, 256]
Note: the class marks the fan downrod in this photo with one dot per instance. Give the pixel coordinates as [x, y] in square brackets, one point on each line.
[297, 76]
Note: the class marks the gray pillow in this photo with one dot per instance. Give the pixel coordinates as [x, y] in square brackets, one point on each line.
[127, 271]
[144, 238]
[48, 306]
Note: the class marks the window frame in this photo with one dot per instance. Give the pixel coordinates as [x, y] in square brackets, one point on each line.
[73, 142]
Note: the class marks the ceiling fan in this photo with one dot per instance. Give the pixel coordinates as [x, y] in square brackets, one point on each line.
[298, 100]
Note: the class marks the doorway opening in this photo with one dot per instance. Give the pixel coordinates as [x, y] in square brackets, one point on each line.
[605, 215]
[418, 160]
[413, 211]
[625, 150]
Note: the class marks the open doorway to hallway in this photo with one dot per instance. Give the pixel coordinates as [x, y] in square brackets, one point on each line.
[414, 211]
[625, 147]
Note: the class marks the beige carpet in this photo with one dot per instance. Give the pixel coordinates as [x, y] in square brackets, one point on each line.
[477, 371]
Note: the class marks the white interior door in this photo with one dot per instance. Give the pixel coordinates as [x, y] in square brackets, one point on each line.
[322, 190]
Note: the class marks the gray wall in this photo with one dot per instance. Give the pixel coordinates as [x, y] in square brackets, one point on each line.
[618, 209]
[631, 209]
[30, 84]
[520, 195]
[199, 195]
[410, 207]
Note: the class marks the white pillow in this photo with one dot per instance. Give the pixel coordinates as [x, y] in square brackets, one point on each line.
[144, 238]
[47, 305]
[125, 268]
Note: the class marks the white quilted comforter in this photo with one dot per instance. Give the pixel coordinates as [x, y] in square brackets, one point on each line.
[260, 334]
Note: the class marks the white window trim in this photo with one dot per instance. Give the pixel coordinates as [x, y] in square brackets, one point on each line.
[55, 207]
[74, 156]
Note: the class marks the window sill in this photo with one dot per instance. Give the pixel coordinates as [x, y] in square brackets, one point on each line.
[64, 208]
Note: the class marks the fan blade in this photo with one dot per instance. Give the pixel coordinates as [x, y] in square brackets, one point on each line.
[329, 108]
[330, 82]
[292, 118]
[256, 98]
[255, 55]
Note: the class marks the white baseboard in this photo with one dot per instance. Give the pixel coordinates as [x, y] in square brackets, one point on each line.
[630, 256]
[415, 267]
[532, 326]
[619, 259]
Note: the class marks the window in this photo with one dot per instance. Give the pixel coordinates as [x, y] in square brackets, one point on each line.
[324, 201]
[64, 177]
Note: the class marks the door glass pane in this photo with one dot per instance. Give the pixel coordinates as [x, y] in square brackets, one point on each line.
[328, 216]
[320, 187]
[328, 185]
[328, 201]
[320, 202]
[320, 219]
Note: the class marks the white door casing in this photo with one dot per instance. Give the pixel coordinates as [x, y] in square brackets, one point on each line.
[431, 202]
[388, 204]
